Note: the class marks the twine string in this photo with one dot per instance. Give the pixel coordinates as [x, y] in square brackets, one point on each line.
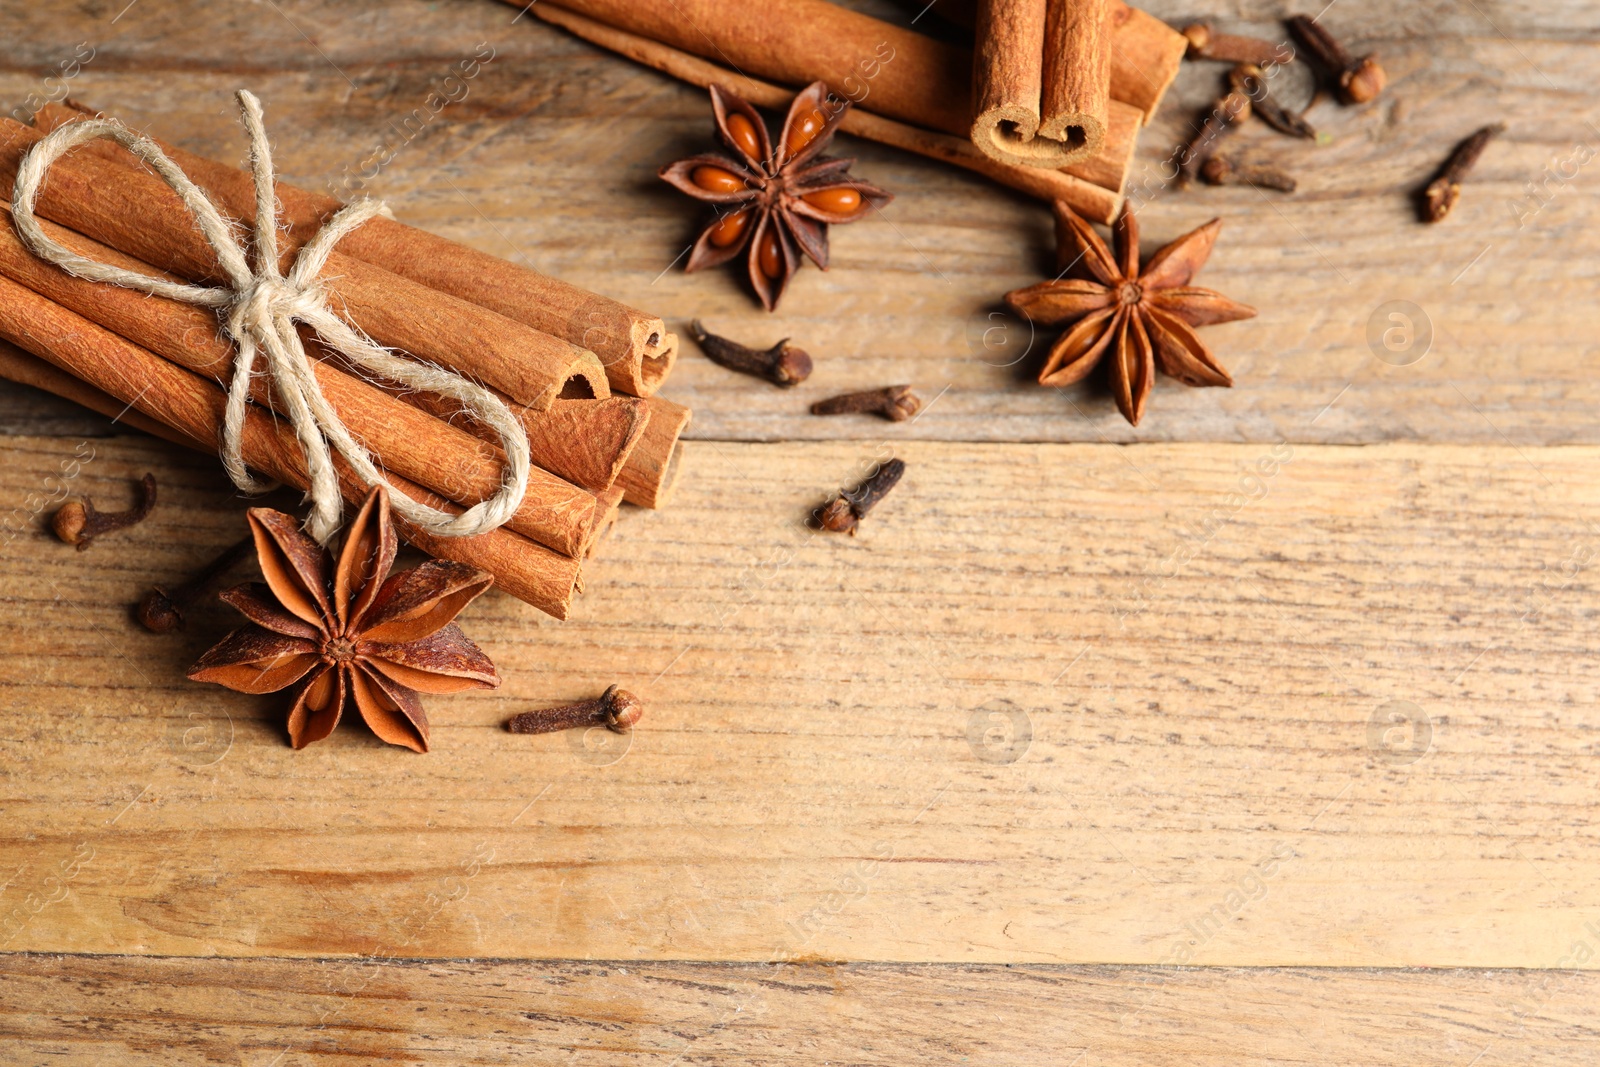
[259, 309]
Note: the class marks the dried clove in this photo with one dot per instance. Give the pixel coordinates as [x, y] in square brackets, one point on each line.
[1220, 170]
[1228, 113]
[615, 709]
[1443, 192]
[1206, 43]
[1359, 80]
[897, 403]
[782, 364]
[845, 512]
[1251, 80]
[78, 523]
[161, 610]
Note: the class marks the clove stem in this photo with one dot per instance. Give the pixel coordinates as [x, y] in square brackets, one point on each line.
[845, 512]
[1443, 192]
[897, 403]
[1250, 79]
[77, 522]
[782, 364]
[161, 610]
[1228, 113]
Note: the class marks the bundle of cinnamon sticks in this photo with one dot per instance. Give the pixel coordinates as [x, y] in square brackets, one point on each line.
[578, 370]
[1052, 105]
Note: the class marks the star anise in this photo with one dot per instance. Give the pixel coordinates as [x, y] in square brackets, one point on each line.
[343, 632]
[775, 200]
[1145, 319]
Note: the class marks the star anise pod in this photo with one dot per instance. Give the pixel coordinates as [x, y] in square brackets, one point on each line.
[777, 200]
[1145, 319]
[342, 632]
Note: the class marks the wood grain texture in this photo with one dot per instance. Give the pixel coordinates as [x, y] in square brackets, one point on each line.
[999, 725]
[551, 158]
[133, 1011]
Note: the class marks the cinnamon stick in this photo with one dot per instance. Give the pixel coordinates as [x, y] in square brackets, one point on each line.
[1076, 90]
[635, 348]
[135, 212]
[651, 472]
[405, 440]
[193, 407]
[1100, 203]
[1007, 75]
[17, 365]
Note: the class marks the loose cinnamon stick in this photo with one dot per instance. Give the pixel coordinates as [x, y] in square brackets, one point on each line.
[17, 365]
[651, 472]
[1089, 200]
[193, 407]
[635, 348]
[404, 439]
[1076, 90]
[135, 212]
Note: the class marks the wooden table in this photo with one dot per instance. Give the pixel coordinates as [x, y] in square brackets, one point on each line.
[1092, 748]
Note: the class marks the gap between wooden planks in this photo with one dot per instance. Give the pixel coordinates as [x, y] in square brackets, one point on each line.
[1056, 704]
[175, 1012]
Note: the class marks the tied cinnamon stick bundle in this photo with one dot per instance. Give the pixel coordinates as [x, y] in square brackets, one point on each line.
[1041, 80]
[192, 408]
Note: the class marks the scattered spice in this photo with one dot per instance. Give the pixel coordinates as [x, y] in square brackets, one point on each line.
[776, 199]
[161, 611]
[615, 709]
[897, 403]
[1145, 318]
[1251, 80]
[1359, 80]
[78, 523]
[343, 632]
[782, 364]
[1220, 170]
[845, 512]
[1443, 192]
[1229, 112]
[1206, 43]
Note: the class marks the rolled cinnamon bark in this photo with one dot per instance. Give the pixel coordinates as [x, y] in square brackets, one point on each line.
[635, 348]
[18, 365]
[135, 212]
[904, 74]
[193, 407]
[403, 439]
[651, 472]
[1076, 90]
[1100, 203]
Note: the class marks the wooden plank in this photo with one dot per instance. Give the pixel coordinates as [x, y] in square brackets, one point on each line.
[1055, 704]
[127, 1010]
[551, 157]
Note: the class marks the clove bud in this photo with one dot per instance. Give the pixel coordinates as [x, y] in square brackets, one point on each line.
[162, 611]
[782, 364]
[1359, 80]
[1251, 80]
[1443, 192]
[1228, 113]
[77, 522]
[897, 403]
[1220, 170]
[615, 709]
[845, 512]
[1206, 43]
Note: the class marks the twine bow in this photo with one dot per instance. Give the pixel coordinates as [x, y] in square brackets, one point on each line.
[259, 309]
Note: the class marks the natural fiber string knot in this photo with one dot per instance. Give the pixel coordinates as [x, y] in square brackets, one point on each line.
[260, 307]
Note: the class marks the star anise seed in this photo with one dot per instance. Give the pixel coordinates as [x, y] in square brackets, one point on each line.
[342, 632]
[776, 200]
[1144, 318]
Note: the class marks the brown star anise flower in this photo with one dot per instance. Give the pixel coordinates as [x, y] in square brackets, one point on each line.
[1145, 319]
[342, 631]
[777, 200]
